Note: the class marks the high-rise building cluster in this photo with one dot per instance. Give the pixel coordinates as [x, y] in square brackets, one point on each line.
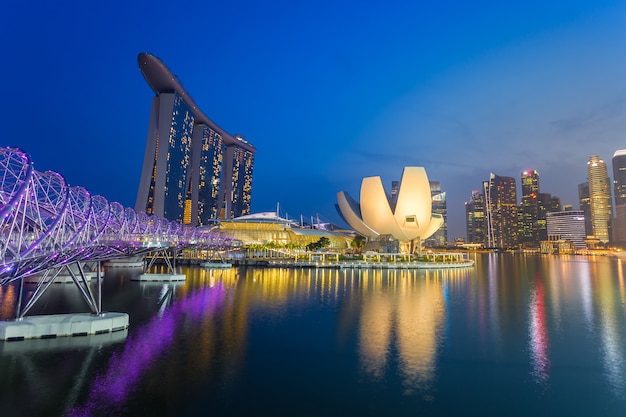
[193, 171]
[494, 219]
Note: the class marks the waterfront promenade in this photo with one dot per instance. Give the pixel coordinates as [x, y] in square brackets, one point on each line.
[371, 264]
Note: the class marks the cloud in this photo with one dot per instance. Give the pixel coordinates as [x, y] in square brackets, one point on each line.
[595, 117]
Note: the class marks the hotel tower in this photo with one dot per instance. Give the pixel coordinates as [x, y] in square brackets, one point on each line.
[599, 198]
[193, 171]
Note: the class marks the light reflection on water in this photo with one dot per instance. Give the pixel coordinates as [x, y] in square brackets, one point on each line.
[515, 333]
[539, 343]
[403, 316]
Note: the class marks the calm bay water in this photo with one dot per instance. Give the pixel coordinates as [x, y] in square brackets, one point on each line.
[515, 336]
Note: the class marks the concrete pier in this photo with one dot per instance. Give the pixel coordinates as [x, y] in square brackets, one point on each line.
[27, 346]
[61, 278]
[131, 262]
[159, 277]
[58, 325]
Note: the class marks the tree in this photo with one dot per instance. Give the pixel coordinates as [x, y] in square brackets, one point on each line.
[323, 242]
[358, 243]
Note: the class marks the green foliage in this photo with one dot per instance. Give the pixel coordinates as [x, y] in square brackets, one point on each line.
[323, 242]
[358, 243]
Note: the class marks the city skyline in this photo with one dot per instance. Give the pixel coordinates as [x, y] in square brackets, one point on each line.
[329, 94]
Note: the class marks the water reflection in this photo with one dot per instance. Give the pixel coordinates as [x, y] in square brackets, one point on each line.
[612, 344]
[401, 320]
[7, 301]
[377, 318]
[500, 331]
[109, 390]
[538, 333]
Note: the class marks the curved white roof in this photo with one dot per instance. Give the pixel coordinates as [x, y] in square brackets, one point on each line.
[410, 218]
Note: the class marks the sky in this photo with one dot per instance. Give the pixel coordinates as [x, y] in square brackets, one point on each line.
[328, 92]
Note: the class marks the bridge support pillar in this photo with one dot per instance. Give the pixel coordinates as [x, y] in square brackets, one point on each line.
[169, 276]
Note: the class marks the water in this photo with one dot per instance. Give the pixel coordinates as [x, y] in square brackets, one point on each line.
[514, 336]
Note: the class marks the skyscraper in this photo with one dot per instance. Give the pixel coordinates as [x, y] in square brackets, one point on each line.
[501, 212]
[193, 170]
[206, 164]
[166, 165]
[235, 194]
[599, 197]
[618, 226]
[475, 218]
[585, 205]
[395, 187]
[529, 209]
[547, 204]
[440, 237]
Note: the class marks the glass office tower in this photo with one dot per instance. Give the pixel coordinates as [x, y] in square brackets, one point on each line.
[475, 218]
[618, 228]
[501, 212]
[440, 237]
[529, 209]
[584, 203]
[600, 198]
[547, 204]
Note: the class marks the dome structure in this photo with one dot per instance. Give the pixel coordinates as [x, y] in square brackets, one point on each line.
[407, 218]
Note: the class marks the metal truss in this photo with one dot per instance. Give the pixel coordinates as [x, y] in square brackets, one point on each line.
[47, 225]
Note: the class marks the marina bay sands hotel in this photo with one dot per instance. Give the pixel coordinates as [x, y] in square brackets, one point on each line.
[193, 171]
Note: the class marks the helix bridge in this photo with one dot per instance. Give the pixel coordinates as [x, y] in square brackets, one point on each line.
[48, 226]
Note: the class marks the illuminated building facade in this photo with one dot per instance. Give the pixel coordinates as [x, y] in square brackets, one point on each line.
[440, 237]
[475, 218]
[585, 205]
[166, 166]
[206, 163]
[528, 213]
[501, 212]
[411, 220]
[568, 225]
[235, 194]
[395, 187]
[193, 171]
[600, 198]
[265, 228]
[547, 204]
[618, 226]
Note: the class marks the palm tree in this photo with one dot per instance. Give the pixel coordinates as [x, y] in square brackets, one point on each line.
[358, 243]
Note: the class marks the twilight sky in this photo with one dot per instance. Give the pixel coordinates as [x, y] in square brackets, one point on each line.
[329, 92]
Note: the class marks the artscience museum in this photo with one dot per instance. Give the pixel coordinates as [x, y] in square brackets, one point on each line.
[406, 217]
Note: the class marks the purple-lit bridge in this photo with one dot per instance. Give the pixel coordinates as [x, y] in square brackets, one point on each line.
[48, 226]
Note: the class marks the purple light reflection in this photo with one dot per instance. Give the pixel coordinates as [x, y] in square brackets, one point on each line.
[539, 344]
[109, 391]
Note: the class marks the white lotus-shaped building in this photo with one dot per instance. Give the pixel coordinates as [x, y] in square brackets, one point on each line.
[410, 218]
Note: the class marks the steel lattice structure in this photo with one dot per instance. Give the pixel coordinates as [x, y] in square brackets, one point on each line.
[46, 223]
